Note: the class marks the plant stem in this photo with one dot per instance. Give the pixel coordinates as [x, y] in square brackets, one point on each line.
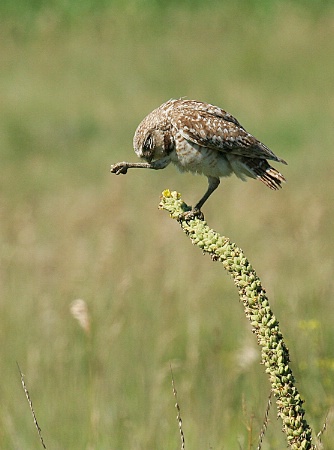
[274, 352]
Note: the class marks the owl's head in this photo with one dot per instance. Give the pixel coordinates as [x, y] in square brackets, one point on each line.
[153, 138]
[151, 144]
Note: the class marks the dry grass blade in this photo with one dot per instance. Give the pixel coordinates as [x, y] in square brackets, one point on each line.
[265, 423]
[178, 417]
[319, 444]
[39, 431]
[249, 420]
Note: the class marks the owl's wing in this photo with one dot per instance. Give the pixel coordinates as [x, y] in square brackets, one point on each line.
[210, 126]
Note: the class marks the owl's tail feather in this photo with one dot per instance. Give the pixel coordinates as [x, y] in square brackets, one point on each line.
[258, 168]
[272, 178]
[266, 173]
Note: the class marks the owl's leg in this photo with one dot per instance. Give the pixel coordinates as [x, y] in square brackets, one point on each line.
[196, 211]
[122, 167]
[213, 184]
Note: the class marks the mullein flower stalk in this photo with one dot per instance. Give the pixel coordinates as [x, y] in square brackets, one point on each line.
[274, 352]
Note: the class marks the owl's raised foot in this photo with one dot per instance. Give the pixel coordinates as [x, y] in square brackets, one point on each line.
[191, 215]
[121, 167]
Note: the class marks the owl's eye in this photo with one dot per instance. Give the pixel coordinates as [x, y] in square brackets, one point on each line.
[148, 143]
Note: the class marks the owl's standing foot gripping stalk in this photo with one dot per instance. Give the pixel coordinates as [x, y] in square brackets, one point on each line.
[201, 138]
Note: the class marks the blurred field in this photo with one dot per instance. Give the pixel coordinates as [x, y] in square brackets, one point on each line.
[72, 93]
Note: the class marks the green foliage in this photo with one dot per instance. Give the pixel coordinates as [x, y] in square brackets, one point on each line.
[71, 98]
[72, 10]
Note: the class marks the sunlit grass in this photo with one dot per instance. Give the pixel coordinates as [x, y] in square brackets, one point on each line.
[71, 98]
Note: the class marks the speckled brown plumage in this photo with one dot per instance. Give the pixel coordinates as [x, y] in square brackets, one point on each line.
[201, 138]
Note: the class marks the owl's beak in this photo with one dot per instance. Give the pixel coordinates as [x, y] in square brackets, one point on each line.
[148, 156]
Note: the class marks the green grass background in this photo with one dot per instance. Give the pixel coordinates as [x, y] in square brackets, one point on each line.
[76, 78]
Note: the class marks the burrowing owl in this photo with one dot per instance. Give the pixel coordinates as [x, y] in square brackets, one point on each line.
[201, 138]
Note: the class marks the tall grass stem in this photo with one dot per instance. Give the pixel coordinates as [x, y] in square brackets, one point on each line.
[274, 352]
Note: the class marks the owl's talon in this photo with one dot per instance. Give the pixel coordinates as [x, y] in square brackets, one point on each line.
[191, 215]
[119, 168]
